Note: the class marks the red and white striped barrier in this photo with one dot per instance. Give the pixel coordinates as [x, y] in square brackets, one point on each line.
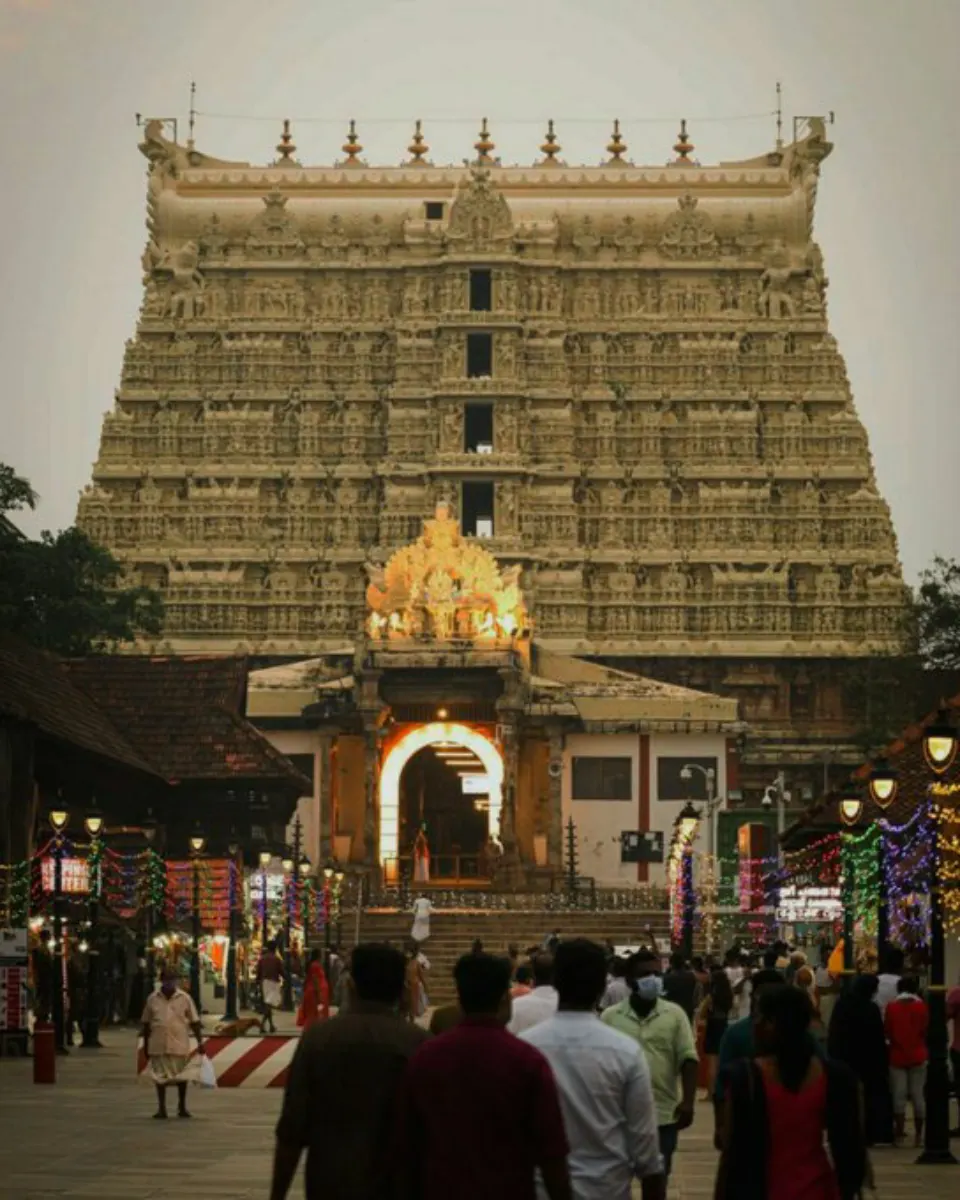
[253, 1062]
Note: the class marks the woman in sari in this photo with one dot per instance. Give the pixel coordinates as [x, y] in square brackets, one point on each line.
[315, 1005]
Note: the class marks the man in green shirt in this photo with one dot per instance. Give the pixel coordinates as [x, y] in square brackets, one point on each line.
[663, 1031]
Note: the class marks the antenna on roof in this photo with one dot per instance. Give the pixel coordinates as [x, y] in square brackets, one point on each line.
[779, 117]
[193, 113]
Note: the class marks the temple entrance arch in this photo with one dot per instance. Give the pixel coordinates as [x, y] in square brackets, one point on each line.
[438, 734]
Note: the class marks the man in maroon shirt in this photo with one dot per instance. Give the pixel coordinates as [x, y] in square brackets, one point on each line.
[480, 1110]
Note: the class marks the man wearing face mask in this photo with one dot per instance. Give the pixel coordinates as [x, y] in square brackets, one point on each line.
[663, 1031]
[168, 1020]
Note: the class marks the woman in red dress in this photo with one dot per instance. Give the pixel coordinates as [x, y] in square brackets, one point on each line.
[784, 1107]
[315, 1005]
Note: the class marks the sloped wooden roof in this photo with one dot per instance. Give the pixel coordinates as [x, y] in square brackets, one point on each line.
[185, 715]
[37, 688]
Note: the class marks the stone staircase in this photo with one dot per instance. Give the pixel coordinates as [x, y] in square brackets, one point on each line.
[452, 933]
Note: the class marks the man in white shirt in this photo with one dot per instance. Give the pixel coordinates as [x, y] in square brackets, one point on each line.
[889, 978]
[539, 1004]
[604, 1085]
[618, 982]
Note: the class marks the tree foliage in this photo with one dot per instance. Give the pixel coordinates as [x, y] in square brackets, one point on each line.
[63, 592]
[938, 615]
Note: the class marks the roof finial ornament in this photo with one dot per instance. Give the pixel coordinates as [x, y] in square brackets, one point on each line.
[352, 148]
[418, 148]
[616, 147]
[684, 147]
[550, 148]
[484, 145]
[285, 147]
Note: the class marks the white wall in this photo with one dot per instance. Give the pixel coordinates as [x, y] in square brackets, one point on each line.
[663, 813]
[302, 741]
[600, 822]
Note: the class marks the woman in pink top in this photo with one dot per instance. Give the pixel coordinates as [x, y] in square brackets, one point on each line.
[784, 1107]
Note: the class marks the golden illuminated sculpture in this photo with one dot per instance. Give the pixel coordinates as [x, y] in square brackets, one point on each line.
[443, 586]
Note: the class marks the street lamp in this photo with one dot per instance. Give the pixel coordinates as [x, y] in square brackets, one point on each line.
[710, 779]
[150, 836]
[58, 818]
[93, 823]
[940, 743]
[266, 858]
[338, 885]
[198, 844]
[883, 783]
[329, 870]
[851, 809]
[230, 1006]
[685, 830]
[291, 868]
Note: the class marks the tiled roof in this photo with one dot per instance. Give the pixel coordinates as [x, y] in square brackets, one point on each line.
[184, 715]
[36, 687]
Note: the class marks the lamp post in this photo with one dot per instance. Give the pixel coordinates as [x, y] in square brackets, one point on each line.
[337, 889]
[328, 872]
[851, 809]
[230, 1001]
[198, 843]
[710, 782]
[266, 858]
[58, 822]
[150, 836]
[291, 870]
[93, 823]
[940, 742]
[685, 830]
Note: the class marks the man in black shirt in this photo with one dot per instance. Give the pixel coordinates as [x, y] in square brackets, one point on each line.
[341, 1096]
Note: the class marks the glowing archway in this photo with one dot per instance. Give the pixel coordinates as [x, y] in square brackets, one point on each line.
[400, 754]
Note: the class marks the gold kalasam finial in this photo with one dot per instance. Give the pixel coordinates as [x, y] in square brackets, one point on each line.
[285, 147]
[484, 145]
[684, 147]
[616, 147]
[351, 147]
[418, 148]
[551, 147]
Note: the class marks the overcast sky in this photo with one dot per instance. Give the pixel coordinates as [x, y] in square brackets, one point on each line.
[74, 72]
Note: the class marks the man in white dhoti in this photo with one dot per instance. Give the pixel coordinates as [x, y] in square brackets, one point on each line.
[422, 908]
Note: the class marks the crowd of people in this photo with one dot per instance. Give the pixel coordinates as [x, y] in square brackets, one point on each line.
[571, 1071]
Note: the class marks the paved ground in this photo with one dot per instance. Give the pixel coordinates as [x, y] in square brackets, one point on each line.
[91, 1135]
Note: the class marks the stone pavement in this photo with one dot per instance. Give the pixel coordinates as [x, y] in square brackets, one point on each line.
[91, 1135]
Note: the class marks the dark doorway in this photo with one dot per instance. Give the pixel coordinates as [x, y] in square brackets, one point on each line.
[478, 429]
[481, 291]
[479, 355]
[476, 508]
[433, 793]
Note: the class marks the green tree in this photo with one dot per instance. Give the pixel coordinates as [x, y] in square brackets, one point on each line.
[63, 592]
[938, 615]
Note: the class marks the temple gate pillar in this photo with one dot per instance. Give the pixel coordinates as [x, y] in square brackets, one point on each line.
[371, 777]
[325, 784]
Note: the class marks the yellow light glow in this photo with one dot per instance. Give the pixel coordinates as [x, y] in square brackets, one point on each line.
[940, 751]
[883, 790]
[850, 809]
[434, 734]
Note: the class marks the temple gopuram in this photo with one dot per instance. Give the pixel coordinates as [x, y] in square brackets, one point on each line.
[604, 399]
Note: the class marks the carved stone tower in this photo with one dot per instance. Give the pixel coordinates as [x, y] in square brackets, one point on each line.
[620, 377]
